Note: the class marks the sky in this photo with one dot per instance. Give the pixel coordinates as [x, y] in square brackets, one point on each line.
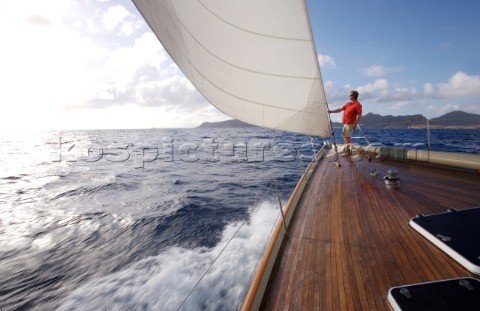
[95, 64]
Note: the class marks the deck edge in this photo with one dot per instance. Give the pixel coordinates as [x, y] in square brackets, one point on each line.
[257, 288]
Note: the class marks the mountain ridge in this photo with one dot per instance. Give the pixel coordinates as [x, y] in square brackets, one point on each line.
[456, 119]
[453, 120]
[232, 123]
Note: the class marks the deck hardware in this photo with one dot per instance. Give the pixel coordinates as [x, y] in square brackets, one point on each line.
[373, 172]
[455, 211]
[392, 173]
[423, 218]
[467, 285]
[444, 238]
[337, 164]
[392, 178]
[405, 292]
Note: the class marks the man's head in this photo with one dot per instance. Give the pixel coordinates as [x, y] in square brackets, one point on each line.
[354, 94]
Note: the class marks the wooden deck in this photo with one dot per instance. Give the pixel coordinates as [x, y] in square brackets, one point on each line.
[349, 240]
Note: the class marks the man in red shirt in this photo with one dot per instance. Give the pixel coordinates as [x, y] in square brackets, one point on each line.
[351, 117]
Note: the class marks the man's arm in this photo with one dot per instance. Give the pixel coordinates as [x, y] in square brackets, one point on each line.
[335, 111]
[359, 116]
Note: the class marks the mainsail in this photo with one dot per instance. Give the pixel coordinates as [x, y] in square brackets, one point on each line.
[254, 60]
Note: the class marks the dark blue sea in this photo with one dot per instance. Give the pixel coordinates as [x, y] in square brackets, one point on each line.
[154, 219]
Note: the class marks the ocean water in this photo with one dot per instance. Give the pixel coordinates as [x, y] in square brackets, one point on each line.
[157, 219]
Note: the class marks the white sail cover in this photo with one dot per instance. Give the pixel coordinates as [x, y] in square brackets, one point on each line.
[255, 60]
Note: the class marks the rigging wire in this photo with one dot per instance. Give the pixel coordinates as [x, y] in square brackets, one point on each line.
[281, 208]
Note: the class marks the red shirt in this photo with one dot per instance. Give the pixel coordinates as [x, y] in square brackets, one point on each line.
[351, 110]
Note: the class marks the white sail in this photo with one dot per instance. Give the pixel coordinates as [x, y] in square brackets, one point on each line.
[255, 60]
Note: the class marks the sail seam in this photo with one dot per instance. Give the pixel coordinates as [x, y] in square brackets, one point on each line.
[248, 100]
[238, 67]
[249, 31]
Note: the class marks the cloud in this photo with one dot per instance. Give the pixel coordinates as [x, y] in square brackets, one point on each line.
[460, 85]
[114, 16]
[72, 66]
[428, 89]
[440, 110]
[379, 71]
[374, 71]
[91, 26]
[380, 94]
[329, 87]
[399, 105]
[38, 20]
[399, 95]
[142, 74]
[380, 85]
[128, 28]
[433, 100]
[326, 60]
[169, 92]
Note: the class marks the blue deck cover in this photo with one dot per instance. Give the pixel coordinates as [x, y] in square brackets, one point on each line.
[453, 294]
[455, 232]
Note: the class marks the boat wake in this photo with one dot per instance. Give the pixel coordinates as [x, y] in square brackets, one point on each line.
[185, 279]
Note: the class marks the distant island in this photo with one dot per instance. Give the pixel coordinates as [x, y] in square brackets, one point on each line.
[233, 123]
[452, 120]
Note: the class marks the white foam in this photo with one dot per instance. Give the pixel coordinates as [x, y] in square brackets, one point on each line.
[163, 282]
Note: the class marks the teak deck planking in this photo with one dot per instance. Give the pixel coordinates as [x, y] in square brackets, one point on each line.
[349, 240]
